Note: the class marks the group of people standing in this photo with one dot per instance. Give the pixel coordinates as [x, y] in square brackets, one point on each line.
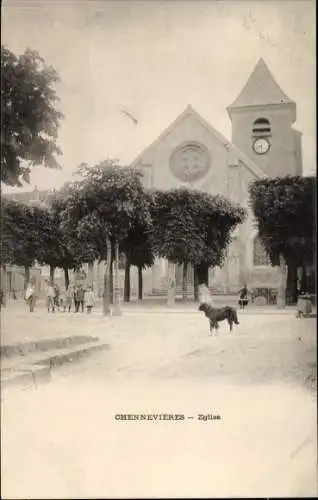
[82, 297]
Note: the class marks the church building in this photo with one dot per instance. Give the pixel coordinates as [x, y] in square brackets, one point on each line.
[192, 153]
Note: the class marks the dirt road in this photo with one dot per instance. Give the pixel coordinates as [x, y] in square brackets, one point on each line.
[67, 440]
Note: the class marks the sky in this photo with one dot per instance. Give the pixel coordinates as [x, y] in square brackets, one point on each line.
[153, 58]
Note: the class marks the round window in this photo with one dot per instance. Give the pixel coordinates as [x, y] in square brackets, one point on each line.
[190, 162]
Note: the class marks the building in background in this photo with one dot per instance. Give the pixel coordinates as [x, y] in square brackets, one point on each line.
[192, 153]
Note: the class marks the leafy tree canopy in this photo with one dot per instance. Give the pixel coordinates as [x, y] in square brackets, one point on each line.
[54, 245]
[138, 245]
[193, 226]
[29, 119]
[20, 233]
[284, 209]
[107, 203]
[75, 250]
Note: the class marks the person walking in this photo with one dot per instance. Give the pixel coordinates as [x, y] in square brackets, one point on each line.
[69, 297]
[50, 294]
[89, 299]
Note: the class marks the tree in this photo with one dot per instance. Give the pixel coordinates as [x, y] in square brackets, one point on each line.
[68, 250]
[104, 206]
[284, 209]
[20, 235]
[29, 119]
[139, 253]
[54, 249]
[193, 227]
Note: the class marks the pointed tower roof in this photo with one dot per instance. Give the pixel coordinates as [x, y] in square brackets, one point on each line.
[261, 89]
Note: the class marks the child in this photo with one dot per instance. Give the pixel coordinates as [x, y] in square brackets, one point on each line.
[89, 299]
[62, 303]
[56, 298]
[79, 299]
[69, 297]
[49, 292]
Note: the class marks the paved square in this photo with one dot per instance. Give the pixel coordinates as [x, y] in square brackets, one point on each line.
[63, 439]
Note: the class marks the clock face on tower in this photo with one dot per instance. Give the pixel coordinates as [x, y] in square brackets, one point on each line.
[261, 146]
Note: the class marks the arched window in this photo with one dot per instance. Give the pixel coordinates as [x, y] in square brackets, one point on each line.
[260, 256]
[261, 127]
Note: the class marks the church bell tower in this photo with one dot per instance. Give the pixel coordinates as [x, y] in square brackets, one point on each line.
[262, 119]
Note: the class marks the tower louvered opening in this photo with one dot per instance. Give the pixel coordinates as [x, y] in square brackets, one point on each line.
[261, 128]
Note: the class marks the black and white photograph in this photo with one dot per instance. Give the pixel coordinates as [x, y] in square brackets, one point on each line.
[158, 249]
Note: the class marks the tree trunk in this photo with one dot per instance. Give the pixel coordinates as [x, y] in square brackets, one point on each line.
[281, 296]
[291, 288]
[185, 282]
[303, 279]
[206, 274]
[4, 284]
[116, 309]
[203, 274]
[127, 281]
[66, 278]
[139, 283]
[111, 279]
[106, 292]
[26, 276]
[171, 284]
[52, 271]
[196, 283]
[90, 274]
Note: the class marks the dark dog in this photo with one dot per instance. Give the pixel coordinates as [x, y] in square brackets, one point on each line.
[216, 315]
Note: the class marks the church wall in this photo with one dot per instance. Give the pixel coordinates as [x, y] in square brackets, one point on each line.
[227, 176]
[243, 255]
[216, 181]
[189, 130]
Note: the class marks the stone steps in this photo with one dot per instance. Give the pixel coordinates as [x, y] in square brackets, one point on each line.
[35, 367]
[163, 292]
[25, 348]
[25, 376]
